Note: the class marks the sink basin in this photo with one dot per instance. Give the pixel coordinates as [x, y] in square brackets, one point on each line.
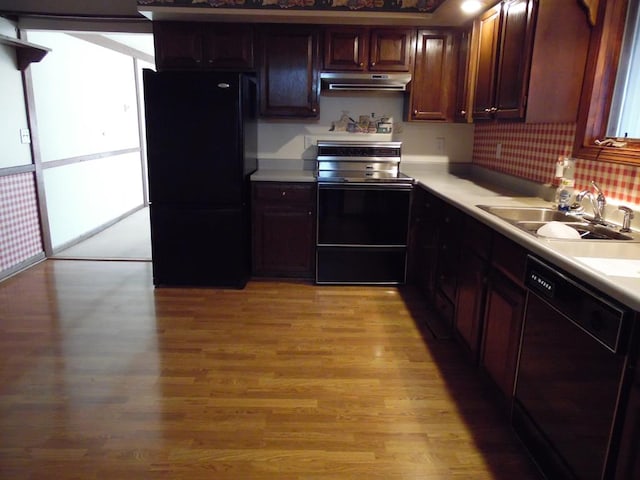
[587, 231]
[530, 219]
[529, 214]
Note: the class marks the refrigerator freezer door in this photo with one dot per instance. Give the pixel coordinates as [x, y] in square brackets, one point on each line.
[200, 247]
[194, 138]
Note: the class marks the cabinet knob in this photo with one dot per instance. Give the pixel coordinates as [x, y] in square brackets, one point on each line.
[210, 60]
[415, 112]
[373, 64]
[309, 213]
[314, 110]
[284, 194]
[494, 109]
[487, 110]
[362, 64]
[463, 112]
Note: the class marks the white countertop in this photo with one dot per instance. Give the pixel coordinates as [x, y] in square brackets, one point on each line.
[592, 261]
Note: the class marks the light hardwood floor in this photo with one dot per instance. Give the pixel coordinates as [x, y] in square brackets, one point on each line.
[103, 377]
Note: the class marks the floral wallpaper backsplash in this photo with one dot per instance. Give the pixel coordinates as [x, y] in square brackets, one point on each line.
[531, 151]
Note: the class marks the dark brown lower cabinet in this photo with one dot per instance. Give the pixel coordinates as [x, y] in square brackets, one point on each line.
[284, 229]
[628, 467]
[471, 285]
[472, 279]
[502, 327]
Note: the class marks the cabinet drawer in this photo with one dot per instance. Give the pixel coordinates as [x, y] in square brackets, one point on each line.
[285, 192]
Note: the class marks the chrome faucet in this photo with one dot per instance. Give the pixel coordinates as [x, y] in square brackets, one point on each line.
[598, 202]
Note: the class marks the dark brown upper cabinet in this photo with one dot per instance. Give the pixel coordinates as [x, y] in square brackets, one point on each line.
[530, 61]
[432, 93]
[289, 61]
[195, 46]
[364, 49]
[505, 34]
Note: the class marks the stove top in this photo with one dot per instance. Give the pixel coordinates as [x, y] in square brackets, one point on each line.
[360, 162]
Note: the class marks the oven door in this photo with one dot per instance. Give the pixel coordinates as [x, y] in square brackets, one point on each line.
[362, 233]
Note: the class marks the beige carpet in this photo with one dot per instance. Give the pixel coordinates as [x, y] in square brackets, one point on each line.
[129, 239]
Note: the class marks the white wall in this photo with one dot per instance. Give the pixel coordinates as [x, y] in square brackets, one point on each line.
[83, 196]
[85, 103]
[286, 139]
[85, 98]
[13, 116]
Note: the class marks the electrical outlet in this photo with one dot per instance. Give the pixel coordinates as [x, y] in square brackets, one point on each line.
[440, 144]
[498, 151]
[25, 135]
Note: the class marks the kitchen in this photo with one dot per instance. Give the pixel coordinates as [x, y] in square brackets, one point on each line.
[521, 129]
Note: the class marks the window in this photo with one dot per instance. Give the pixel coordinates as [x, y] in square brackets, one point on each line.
[598, 99]
[624, 117]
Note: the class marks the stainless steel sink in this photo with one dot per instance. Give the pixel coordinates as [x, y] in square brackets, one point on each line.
[529, 214]
[530, 219]
[587, 231]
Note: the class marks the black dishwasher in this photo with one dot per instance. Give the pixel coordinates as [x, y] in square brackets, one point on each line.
[571, 367]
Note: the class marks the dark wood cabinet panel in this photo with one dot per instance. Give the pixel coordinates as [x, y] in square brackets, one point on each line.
[488, 28]
[505, 35]
[471, 288]
[391, 49]
[628, 467]
[449, 245]
[432, 95]
[368, 49]
[283, 229]
[191, 45]
[346, 48]
[470, 300]
[516, 37]
[177, 45]
[502, 327]
[461, 110]
[423, 241]
[289, 60]
[228, 46]
[530, 62]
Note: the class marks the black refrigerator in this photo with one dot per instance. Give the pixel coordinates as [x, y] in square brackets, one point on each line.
[201, 149]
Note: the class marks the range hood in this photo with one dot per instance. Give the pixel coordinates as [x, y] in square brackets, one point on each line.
[348, 81]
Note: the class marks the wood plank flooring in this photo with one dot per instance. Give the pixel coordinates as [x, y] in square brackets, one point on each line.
[104, 377]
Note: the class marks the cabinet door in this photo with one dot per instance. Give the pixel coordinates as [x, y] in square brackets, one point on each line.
[228, 46]
[289, 59]
[391, 49]
[433, 83]
[283, 229]
[461, 110]
[488, 27]
[423, 236]
[470, 300]
[502, 326]
[178, 45]
[515, 59]
[346, 48]
[449, 243]
[285, 243]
